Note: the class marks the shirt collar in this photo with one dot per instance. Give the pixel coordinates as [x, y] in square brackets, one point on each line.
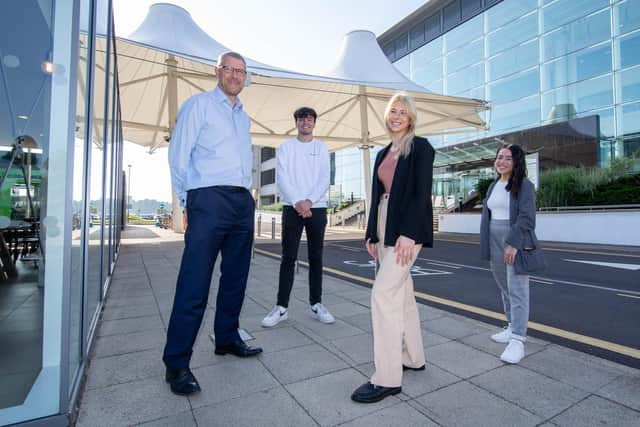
[219, 96]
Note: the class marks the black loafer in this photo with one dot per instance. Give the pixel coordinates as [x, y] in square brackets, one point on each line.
[182, 381]
[409, 368]
[238, 348]
[370, 393]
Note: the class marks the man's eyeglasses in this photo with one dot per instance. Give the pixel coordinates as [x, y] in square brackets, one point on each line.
[230, 70]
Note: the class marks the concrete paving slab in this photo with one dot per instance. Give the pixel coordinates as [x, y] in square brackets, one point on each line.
[358, 348]
[131, 311]
[300, 363]
[327, 398]
[183, 419]
[401, 415]
[339, 329]
[360, 321]
[624, 390]
[482, 341]
[461, 360]
[277, 339]
[129, 404]
[129, 325]
[347, 309]
[225, 381]
[453, 328]
[429, 339]
[273, 407]
[596, 411]
[112, 345]
[571, 367]
[541, 395]
[464, 404]
[107, 371]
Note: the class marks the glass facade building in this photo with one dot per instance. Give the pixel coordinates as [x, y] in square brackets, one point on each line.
[538, 61]
[61, 198]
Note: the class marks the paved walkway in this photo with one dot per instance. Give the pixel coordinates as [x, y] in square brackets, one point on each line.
[308, 370]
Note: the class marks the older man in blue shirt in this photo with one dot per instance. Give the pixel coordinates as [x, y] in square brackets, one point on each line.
[210, 160]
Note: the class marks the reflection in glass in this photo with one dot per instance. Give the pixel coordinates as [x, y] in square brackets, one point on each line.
[626, 15]
[404, 65]
[582, 65]
[628, 85]
[424, 74]
[507, 11]
[429, 52]
[513, 60]
[463, 34]
[564, 11]
[629, 119]
[518, 86]
[466, 79]
[513, 34]
[517, 113]
[24, 150]
[584, 96]
[467, 55]
[577, 35]
[627, 49]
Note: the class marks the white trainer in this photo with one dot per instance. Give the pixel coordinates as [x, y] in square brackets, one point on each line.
[514, 352]
[503, 336]
[321, 313]
[275, 316]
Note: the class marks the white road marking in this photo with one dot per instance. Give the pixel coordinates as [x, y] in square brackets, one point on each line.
[620, 265]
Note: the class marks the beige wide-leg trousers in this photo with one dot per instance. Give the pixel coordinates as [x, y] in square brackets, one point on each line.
[397, 338]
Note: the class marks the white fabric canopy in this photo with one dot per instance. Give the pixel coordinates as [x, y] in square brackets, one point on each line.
[169, 58]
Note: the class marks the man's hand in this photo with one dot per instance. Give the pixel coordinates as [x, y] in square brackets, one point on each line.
[371, 248]
[404, 250]
[510, 255]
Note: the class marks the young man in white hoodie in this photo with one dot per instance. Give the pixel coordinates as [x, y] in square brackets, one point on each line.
[302, 175]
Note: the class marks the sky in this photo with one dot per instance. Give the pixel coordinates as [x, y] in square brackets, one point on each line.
[291, 34]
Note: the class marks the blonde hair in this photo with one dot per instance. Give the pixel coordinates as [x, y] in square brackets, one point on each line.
[406, 143]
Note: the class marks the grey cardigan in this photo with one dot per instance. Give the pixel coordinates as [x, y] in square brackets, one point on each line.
[522, 217]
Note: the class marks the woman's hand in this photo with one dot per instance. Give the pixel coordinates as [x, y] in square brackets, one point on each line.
[371, 248]
[404, 250]
[510, 255]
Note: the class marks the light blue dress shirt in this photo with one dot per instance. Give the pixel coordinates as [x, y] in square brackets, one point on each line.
[210, 145]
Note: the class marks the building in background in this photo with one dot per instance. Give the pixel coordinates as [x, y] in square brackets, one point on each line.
[60, 215]
[563, 77]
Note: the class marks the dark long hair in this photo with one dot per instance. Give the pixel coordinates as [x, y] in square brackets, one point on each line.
[519, 167]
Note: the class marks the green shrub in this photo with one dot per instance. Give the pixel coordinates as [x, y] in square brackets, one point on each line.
[277, 207]
[482, 186]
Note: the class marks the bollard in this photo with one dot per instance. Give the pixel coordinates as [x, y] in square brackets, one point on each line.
[273, 228]
[297, 267]
[259, 224]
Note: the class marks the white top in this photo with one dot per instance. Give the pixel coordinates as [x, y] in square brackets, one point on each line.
[498, 202]
[303, 172]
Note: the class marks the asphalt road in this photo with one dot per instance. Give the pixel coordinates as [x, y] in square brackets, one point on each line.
[577, 302]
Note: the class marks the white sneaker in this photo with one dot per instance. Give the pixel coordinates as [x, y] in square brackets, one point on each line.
[275, 316]
[503, 336]
[514, 352]
[321, 313]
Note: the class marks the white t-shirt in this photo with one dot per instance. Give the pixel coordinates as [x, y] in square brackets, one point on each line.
[498, 202]
[303, 172]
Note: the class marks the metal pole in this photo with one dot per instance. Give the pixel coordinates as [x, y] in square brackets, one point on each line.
[273, 228]
[259, 224]
[128, 193]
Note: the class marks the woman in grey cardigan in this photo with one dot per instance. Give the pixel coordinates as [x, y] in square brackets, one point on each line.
[507, 226]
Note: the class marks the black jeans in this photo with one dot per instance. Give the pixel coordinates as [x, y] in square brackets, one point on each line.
[292, 225]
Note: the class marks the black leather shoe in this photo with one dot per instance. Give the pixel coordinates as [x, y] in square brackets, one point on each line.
[238, 348]
[182, 381]
[409, 368]
[370, 393]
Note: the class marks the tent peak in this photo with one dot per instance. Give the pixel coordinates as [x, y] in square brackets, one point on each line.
[163, 4]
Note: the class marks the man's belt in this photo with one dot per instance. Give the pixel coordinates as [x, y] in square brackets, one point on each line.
[230, 188]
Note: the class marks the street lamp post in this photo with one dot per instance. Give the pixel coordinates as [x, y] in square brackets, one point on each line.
[128, 192]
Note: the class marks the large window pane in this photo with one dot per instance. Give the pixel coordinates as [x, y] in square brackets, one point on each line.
[428, 52]
[628, 85]
[465, 79]
[416, 35]
[583, 96]
[513, 60]
[464, 56]
[565, 11]
[426, 73]
[512, 34]
[515, 87]
[627, 49]
[404, 65]
[516, 114]
[626, 15]
[629, 119]
[577, 35]
[507, 11]
[432, 26]
[25, 96]
[463, 34]
[582, 65]
[451, 14]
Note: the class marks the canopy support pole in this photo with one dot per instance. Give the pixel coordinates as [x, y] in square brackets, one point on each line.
[365, 147]
[172, 104]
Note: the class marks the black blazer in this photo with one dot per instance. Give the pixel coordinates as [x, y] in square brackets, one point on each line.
[410, 211]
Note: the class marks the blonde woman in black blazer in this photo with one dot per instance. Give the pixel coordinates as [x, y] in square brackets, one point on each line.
[400, 224]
